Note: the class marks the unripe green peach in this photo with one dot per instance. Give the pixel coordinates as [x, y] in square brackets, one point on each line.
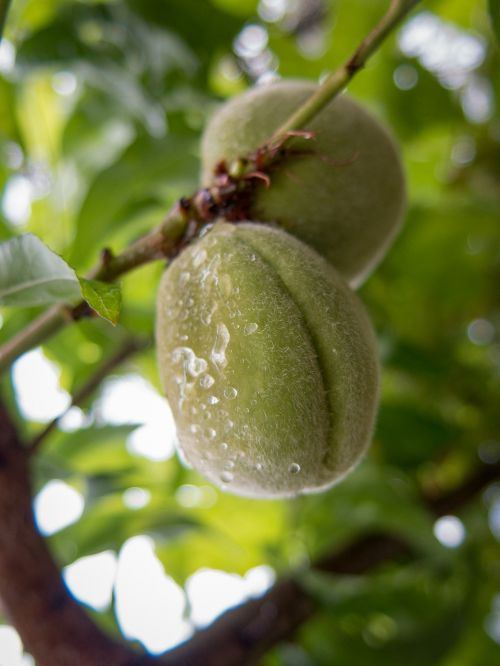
[346, 199]
[268, 360]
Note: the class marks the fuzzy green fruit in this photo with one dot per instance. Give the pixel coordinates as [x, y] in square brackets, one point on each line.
[346, 200]
[268, 360]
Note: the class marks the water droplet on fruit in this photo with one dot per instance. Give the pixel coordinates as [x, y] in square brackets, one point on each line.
[294, 468]
[230, 393]
[229, 464]
[210, 433]
[224, 446]
[258, 467]
[206, 381]
[184, 278]
[191, 363]
[199, 257]
[226, 477]
[218, 353]
[250, 328]
[206, 317]
[213, 400]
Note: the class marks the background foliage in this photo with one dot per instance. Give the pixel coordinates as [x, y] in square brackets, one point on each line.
[100, 119]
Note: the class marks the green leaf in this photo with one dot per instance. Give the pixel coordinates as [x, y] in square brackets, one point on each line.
[104, 298]
[31, 274]
[494, 9]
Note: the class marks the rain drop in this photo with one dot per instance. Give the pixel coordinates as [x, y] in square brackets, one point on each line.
[226, 477]
[210, 433]
[199, 258]
[250, 328]
[206, 381]
[212, 400]
[224, 446]
[294, 468]
[230, 393]
[218, 353]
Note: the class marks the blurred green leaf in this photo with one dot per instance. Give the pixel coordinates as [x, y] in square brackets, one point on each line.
[411, 615]
[31, 274]
[92, 533]
[148, 167]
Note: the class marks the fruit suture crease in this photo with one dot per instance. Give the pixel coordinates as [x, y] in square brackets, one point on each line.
[267, 356]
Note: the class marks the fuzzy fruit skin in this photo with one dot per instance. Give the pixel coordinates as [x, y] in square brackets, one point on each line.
[268, 360]
[346, 201]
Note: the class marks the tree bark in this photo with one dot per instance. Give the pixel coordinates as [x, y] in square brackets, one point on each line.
[53, 626]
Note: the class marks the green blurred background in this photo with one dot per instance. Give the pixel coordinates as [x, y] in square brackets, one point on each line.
[101, 109]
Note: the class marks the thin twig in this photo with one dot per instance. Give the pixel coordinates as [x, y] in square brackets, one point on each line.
[130, 347]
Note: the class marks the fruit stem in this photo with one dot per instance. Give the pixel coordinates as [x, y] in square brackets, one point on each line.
[339, 79]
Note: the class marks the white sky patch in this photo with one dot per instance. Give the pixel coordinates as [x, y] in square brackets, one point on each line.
[150, 606]
[56, 506]
[64, 83]
[450, 531]
[74, 419]
[211, 592]
[251, 41]
[272, 10]
[11, 649]
[481, 332]
[136, 498]
[7, 56]
[477, 99]
[494, 519]
[131, 399]
[16, 200]
[91, 579]
[36, 381]
[442, 48]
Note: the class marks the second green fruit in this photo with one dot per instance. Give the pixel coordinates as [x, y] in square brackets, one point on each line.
[346, 199]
